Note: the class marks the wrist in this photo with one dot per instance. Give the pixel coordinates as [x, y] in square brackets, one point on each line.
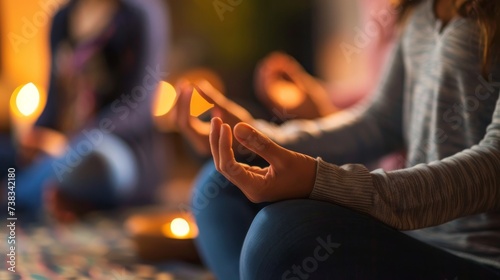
[309, 169]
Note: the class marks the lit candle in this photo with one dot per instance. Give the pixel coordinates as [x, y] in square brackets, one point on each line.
[180, 228]
[26, 105]
[174, 225]
[174, 230]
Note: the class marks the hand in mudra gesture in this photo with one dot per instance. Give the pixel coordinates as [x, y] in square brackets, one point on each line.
[281, 83]
[289, 174]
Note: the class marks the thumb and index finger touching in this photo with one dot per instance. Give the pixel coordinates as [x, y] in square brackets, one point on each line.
[252, 139]
[260, 144]
[249, 179]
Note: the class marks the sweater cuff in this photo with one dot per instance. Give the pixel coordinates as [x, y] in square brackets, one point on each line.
[349, 185]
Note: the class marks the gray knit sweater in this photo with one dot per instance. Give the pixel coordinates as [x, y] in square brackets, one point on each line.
[434, 102]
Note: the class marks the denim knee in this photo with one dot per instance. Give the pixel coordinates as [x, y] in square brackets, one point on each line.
[208, 186]
[223, 215]
[289, 240]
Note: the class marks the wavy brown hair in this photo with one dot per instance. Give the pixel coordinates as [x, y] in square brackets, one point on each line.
[486, 13]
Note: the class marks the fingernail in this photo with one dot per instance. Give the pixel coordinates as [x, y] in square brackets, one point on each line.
[243, 132]
[213, 122]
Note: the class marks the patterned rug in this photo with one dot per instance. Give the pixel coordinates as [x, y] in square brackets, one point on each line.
[98, 248]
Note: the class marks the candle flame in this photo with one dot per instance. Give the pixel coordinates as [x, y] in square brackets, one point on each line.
[28, 100]
[26, 104]
[179, 227]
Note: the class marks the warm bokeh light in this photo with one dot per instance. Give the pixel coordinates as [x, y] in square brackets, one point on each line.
[164, 100]
[198, 104]
[174, 225]
[27, 103]
[179, 227]
[287, 94]
[166, 96]
[28, 99]
[24, 49]
[25, 53]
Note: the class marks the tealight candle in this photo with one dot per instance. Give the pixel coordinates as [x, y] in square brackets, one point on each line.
[180, 228]
[161, 236]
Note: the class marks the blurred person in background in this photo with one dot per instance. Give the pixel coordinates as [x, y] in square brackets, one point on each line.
[350, 61]
[350, 58]
[107, 58]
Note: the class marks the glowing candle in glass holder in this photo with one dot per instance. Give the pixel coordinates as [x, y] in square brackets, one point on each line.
[173, 230]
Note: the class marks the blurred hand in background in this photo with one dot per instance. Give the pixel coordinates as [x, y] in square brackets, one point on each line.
[196, 130]
[281, 83]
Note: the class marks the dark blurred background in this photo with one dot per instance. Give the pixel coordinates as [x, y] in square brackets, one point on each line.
[228, 39]
[230, 42]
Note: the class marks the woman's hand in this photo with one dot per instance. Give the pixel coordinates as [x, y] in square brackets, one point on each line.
[194, 129]
[290, 175]
[282, 83]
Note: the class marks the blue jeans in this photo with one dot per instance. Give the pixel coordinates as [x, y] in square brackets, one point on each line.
[83, 173]
[30, 183]
[83, 184]
[306, 239]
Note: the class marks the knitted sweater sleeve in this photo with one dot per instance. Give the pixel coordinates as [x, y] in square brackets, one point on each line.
[424, 195]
